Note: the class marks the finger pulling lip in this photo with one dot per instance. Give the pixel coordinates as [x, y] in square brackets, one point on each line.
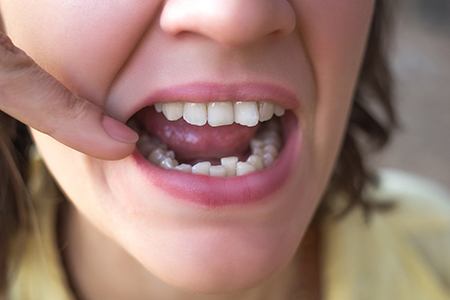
[211, 192]
[216, 92]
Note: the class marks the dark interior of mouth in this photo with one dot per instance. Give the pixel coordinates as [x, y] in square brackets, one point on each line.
[191, 143]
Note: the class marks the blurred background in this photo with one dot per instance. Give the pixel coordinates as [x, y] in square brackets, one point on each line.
[421, 64]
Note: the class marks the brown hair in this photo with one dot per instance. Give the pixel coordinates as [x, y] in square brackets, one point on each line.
[372, 122]
[351, 175]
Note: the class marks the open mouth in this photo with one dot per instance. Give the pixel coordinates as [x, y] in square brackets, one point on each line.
[200, 147]
[218, 139]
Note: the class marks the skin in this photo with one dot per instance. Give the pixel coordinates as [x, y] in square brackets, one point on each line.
[116, 53]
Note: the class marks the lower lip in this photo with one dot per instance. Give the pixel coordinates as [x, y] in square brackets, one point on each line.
[211, 192]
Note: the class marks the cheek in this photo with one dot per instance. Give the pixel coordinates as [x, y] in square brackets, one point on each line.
[334, 34]
[92, 38]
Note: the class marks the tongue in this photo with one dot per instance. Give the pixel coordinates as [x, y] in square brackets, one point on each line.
[197, 142]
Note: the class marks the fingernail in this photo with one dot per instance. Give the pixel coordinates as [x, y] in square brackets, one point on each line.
[119, 131]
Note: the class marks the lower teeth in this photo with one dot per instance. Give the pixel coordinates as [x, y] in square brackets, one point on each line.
[265, 147]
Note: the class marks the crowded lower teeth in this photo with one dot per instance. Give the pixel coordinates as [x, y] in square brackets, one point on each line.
[264, 150]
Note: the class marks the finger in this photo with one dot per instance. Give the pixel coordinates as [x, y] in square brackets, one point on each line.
[34, 97]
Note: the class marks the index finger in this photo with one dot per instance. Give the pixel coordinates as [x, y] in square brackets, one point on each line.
[34, 97]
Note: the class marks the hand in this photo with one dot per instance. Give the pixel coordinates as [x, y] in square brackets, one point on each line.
[34, 97]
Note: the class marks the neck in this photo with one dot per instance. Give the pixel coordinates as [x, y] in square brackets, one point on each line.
[98, 268]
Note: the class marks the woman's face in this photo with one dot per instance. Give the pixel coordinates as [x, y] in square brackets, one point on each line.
[303, 55]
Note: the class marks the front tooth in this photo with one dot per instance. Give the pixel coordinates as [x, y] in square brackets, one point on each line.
[266, 111]
[230, 164]
[246, 113]
[243, 168]
[195, 113]
[201, 168]
[220, 113]
[279, 111]
[172, 111]
[218, 171]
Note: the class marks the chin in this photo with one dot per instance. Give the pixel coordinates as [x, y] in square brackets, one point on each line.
[214, 259]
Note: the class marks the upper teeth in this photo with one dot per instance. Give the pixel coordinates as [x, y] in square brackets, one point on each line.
[220, 113]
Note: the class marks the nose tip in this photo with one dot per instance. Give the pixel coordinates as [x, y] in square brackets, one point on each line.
[229, 22]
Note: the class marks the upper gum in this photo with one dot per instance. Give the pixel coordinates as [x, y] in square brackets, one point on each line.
[210, 102]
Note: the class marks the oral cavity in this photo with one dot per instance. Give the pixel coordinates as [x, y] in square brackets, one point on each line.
[220, 139]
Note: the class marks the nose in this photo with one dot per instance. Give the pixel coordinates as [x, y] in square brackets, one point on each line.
[229, 22]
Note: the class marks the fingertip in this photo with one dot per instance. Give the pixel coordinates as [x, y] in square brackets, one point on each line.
[119, 131]
[118, 153]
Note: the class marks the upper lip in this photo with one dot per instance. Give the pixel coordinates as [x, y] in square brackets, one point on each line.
[215, 92]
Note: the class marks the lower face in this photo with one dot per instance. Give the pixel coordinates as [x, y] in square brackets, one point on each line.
[204, 91]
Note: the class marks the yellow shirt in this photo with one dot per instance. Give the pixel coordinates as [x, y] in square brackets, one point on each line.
[403, 254]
